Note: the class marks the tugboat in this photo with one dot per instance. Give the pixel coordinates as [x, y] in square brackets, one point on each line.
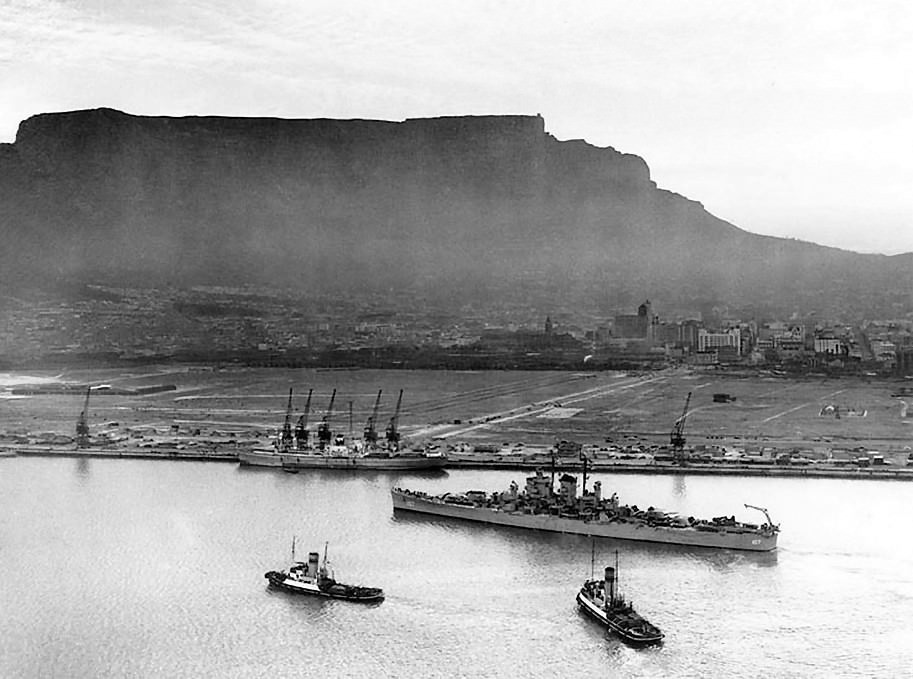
[601, 600]
[317, 579]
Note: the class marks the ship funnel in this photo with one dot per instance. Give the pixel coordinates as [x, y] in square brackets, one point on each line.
[610, 584]
[313, 561]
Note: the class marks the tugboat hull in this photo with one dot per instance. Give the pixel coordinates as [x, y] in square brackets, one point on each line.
[598, 613]
[280, 580]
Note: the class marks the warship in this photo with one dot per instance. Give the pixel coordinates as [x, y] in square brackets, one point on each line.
[602, 600]
[540, 507]
[292, 451]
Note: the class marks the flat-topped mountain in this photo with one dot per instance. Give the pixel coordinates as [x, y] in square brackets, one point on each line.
[473, 205]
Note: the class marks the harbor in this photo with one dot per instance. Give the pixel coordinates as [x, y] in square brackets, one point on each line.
[621, 422]
[499, 462]
[216, 529]
[485, 432]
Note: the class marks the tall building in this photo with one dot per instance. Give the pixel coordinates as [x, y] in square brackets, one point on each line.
[639, 326]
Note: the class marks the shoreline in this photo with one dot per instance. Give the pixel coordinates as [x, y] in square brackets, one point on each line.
[595, 466]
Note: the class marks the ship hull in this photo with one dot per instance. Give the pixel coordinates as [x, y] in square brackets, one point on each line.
[281, 581]
[598, 613]
[641, 532]
[259, 458]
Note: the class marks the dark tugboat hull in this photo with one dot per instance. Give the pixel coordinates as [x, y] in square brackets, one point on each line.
[630, 636]
[281, 581]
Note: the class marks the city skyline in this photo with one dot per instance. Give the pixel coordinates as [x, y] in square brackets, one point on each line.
[784, 120]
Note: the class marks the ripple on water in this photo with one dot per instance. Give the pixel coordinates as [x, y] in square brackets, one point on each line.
[143, 568]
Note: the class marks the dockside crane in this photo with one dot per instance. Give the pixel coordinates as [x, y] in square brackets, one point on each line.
[285, 438]
[371, 424]
[324, 435]
[677, 438]
[82, 424]
[393, 435]
[301, 429]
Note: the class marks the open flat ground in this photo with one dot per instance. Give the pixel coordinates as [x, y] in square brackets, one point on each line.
[536, 408]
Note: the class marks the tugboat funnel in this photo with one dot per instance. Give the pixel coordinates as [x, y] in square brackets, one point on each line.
[313, 561]
[610, 585]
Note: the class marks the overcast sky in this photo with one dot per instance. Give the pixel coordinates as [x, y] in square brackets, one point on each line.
[786, 118]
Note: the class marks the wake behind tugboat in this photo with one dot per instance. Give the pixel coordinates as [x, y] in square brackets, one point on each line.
[602, 600]
[317, 579]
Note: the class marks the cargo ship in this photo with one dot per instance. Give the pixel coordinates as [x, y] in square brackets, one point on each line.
[539, 507]
[602, 600]
[317, 579]
[295, 450]
[344, 457]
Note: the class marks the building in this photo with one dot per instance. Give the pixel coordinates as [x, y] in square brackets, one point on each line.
[707, 341]
[637, 326]
[904, 361]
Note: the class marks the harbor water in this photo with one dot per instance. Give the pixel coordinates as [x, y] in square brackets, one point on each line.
[143, 568]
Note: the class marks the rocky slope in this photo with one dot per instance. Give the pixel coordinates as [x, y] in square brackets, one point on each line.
[467, 206]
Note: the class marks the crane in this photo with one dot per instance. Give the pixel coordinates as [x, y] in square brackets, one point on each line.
[285, 438]
[393, 435]
[677, 438]
[82, 424]
[764, 511]
[301, 429]
[370, 425]
[324, 435]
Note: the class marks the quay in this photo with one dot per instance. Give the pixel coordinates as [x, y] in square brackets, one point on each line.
[705, 469]
[114, 452]
[500, 462]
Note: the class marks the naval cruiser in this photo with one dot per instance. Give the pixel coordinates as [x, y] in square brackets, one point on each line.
[540, 507]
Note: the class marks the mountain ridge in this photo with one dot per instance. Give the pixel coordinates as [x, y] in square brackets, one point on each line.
[473, 204]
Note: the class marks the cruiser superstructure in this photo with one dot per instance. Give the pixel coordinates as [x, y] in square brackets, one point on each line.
[539, 506]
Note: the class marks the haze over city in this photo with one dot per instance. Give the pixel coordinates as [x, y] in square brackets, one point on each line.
[787, 120]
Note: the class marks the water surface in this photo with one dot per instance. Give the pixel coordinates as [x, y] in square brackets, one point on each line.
[114, 568]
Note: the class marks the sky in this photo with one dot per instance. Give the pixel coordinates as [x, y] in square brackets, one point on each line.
[786, 118]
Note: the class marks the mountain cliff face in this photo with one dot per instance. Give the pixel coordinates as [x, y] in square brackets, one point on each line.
[465, 204]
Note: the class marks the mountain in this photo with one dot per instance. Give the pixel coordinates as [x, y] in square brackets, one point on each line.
[466, 207]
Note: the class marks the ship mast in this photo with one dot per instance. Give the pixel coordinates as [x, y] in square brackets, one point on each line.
[285, 440]
[592, 558]
[585, 460]
[551, 488]
[617, 579]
